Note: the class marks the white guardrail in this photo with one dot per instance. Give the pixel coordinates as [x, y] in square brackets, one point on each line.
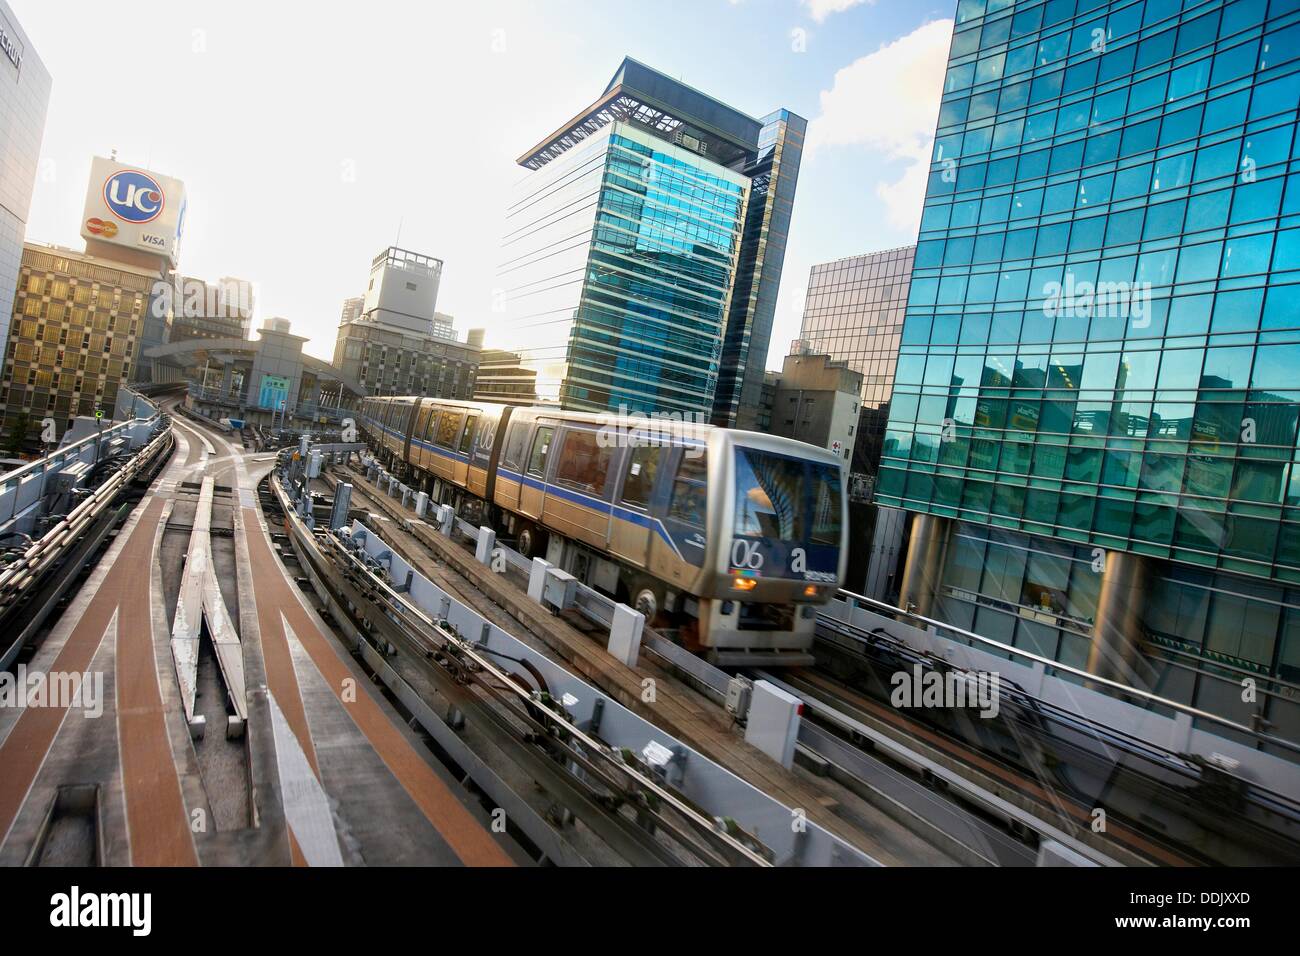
[23, 490]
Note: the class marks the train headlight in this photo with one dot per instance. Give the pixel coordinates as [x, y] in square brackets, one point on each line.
[811, 591]
[744, 584]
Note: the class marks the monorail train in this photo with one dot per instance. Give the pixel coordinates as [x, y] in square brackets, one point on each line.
[731, 539]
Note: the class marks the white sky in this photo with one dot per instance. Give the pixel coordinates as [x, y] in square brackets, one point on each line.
[306, 132]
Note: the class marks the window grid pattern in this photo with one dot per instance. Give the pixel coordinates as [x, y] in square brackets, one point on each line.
[854, 313]
[1104, 313]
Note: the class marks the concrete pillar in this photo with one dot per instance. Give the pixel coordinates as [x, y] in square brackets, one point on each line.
[487, 541]
[1117, 634]
[924, 566]
[537, 579]
[773, 722]
[625, 634]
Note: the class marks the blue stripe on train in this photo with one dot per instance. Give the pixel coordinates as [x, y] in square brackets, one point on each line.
[574, 497]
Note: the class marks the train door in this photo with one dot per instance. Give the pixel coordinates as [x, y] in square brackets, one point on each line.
[510, 464]
[407, 427]
[532, 493]
[419, 455]
[577, 498]
[632, 524]
[464, 448]
[480, 456]
[678, 555]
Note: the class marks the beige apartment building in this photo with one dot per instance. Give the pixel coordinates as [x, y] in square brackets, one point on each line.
[74, 335]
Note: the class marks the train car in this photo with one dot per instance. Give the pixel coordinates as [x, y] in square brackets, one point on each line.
[731, 539]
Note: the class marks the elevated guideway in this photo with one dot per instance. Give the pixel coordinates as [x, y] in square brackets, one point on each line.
[314, 766]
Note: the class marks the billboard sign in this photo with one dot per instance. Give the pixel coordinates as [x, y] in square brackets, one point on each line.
[135, 208]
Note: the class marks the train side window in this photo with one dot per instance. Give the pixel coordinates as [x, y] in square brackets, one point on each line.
[541, 445]
[431, 426]
[448, 428]
[516, 436]
[639, 482]
[467, 437]
[689, 502]
[422, 421]
[584, 461]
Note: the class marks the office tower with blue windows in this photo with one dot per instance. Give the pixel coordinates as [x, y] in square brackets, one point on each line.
[1096, 399]
[643, 251]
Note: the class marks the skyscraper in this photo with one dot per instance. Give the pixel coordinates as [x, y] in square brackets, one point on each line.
[75, 336]
[1094, 412]
[854, 313]
[624, 244]
[773, 174]
[82, 318]
[24, 96]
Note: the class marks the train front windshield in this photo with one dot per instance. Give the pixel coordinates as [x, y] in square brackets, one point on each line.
[788, 517]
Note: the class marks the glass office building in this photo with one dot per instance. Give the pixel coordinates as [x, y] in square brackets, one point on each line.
[642, 253]
[619, 259]
[1093, 416]
[773, 174]
[854, 313]
[24, 96]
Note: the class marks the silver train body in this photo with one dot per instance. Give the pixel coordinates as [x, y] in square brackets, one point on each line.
[730, 539]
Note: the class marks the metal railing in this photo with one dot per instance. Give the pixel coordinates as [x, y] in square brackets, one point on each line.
[1124, 690]
[25, 487]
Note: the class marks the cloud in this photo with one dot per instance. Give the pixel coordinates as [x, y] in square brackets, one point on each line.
[888, 102]
[821, 9]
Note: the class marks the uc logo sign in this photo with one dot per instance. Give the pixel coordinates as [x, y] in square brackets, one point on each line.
[133, 196]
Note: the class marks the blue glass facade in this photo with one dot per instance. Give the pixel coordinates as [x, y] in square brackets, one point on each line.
[1101, 349]
[1139, 155]
[620, 257]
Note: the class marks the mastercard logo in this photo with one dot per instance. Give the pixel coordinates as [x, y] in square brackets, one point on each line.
[101, 227]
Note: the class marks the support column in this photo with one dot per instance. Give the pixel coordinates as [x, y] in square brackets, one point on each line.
[924, 565]
[1117, 634]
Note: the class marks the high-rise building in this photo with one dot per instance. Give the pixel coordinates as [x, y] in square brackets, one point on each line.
[24, 96]
[74, 336]
[1093, 419]
[398, 344]
[854, 313]
[624, 243]
[210, 310]
[82, 316]
[353, 308]
[773, 175]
